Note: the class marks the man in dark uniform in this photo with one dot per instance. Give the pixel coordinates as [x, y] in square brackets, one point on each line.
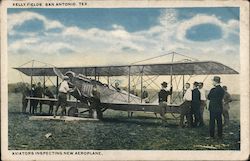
[215, 96]
[38, 94]
[49, 94]
[195, 104]
[163, 99]
[144, 95]
[96, 103]
[33, 103]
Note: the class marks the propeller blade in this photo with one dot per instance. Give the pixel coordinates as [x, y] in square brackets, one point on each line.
[58, 72]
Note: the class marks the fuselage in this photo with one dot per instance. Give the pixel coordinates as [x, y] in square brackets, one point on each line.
[108, 94]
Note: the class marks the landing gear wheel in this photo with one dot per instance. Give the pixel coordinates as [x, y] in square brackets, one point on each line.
[73, 111]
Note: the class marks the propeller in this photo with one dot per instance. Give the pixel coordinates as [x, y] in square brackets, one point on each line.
[60, 75]
[58, 72]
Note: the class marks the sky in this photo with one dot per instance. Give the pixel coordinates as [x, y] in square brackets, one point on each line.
[112, 36]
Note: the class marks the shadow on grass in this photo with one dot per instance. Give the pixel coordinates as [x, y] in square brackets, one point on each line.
[144, 121]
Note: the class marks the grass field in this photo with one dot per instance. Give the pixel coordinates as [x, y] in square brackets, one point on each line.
[142, 132]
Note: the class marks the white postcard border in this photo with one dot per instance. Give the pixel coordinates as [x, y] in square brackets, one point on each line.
[137, 154]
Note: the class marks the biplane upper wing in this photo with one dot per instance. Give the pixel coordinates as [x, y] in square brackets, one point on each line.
[177, 68]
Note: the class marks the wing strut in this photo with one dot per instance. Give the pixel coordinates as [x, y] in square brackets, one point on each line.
[171, 76]
[129, 84]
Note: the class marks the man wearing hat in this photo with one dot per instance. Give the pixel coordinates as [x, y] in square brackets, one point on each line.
[33, 103]
[215, 96]
[163, 98]
[39, 93]
[96, 102]
[62, 96]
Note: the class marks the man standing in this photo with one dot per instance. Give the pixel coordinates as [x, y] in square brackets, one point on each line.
[33, 103]
[195, 104]
[25, 93]
[39, 94]
[144, 95]
[49, 94]
[96, 102]
[226, 100]
[62, 96]
[215, 96]
[203, 103]
[185, 110]
[163, 98]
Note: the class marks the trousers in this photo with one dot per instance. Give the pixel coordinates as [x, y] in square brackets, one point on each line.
[225, 113]
[226, 116]
[185, 112]
[62, 101]
[203, 106]
[215, 116]
[163, 106]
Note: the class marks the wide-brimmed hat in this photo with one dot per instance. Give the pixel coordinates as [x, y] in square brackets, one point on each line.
[196, 84]
[216, 79]
[164, 84]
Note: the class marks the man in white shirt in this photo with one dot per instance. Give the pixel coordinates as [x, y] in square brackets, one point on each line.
[186, 106]
[188, 93]
[62, 96]
[203, 102]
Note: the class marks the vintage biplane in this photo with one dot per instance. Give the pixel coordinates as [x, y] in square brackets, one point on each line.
[83, 78]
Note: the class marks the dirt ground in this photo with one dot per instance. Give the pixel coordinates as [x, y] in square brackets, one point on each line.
[141, 132]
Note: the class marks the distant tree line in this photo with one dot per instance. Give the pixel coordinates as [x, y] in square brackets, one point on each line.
[17, 87]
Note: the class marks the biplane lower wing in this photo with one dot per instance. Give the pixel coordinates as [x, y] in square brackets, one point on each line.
[155, 108]
[146, 107]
